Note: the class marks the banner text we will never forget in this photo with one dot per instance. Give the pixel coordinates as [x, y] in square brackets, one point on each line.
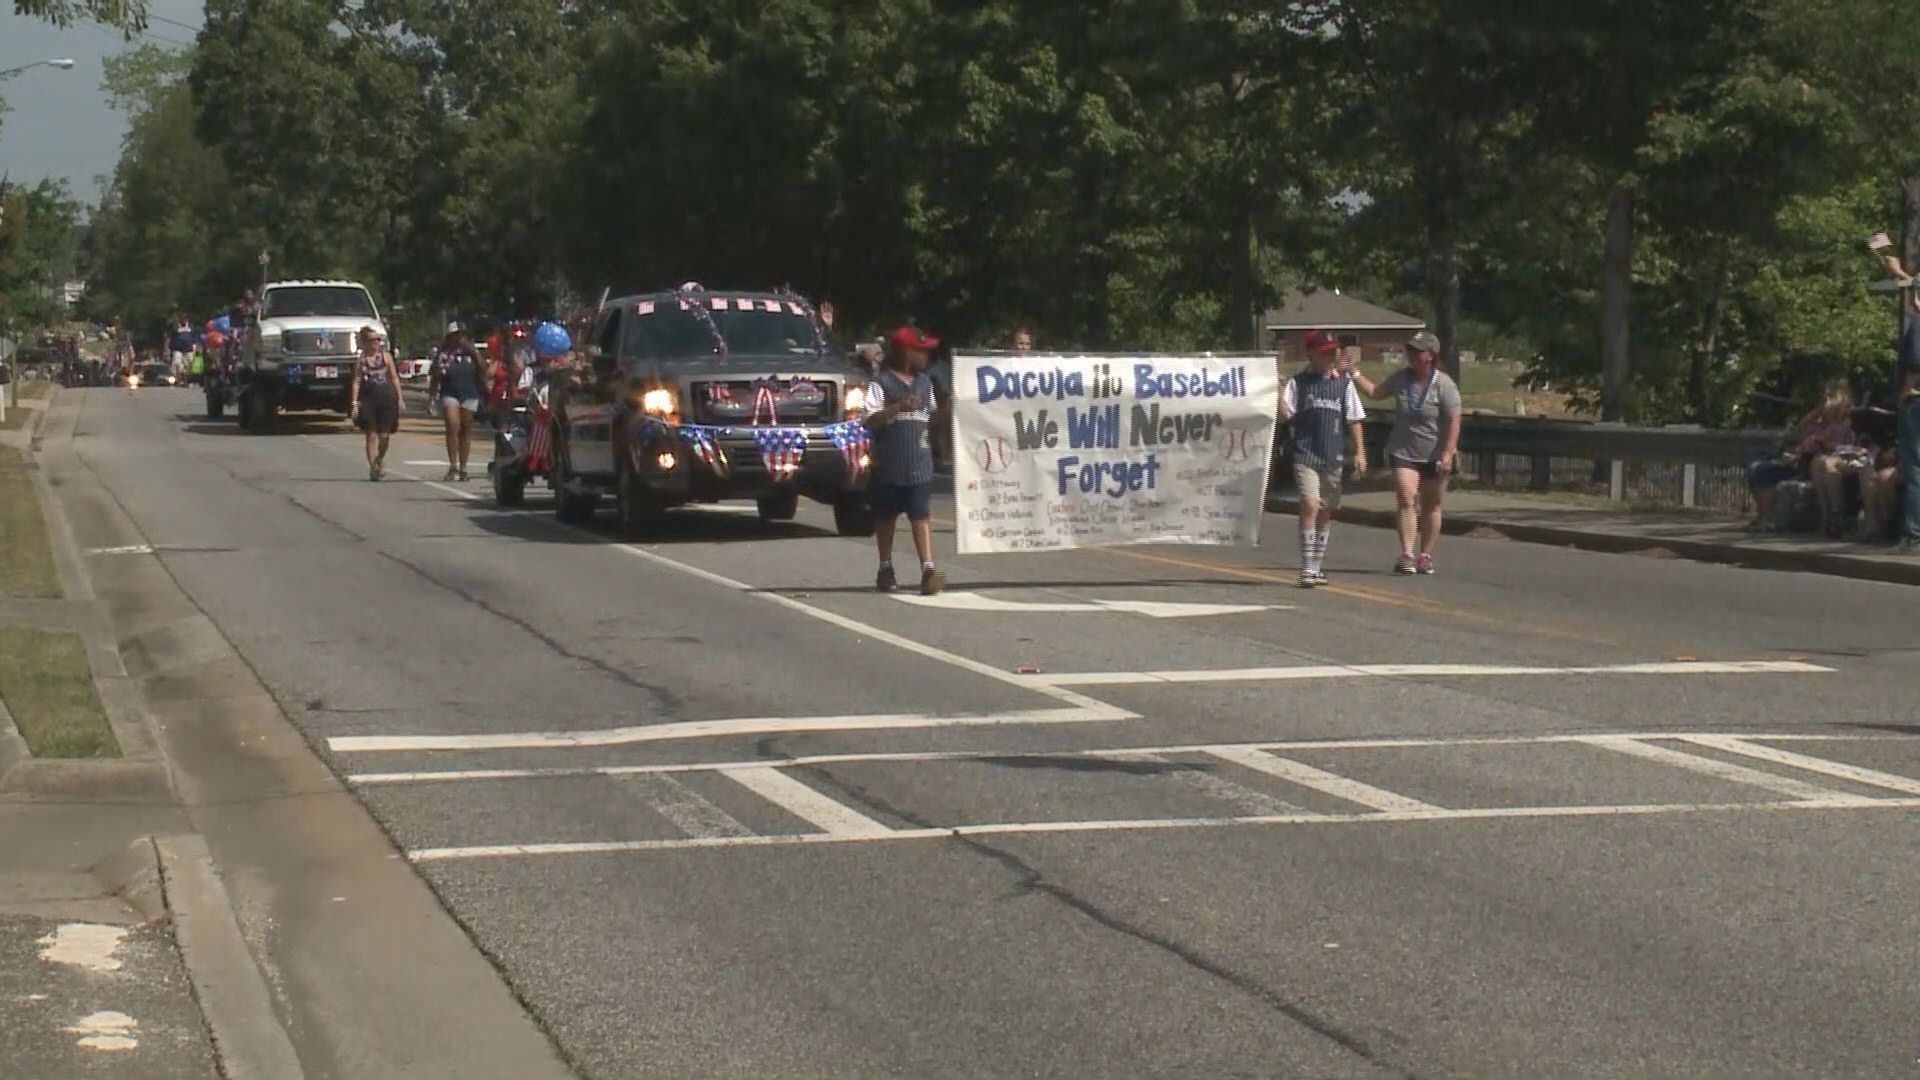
[1061, 452]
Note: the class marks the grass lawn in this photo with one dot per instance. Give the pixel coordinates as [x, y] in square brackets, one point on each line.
[16, 418]
[1488, 387]
[26, 560]
[48, 687]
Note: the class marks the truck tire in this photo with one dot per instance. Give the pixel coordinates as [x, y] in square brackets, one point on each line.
[509, 488]
[779, 506]
[852, 516]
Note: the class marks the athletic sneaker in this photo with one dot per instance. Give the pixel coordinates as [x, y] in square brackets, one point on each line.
[452, 475]
[932, 581]
[1425, 565]
[462, 476]
[1319, 577]
[1404, 564]
[373, 472]
[1308, 579]
[885, 579]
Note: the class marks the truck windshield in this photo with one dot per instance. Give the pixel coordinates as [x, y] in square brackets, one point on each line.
[671, 333]
[317, 300]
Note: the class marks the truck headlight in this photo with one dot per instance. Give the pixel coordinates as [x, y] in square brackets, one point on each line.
[657, 402]
[856, 400]
[270, 344]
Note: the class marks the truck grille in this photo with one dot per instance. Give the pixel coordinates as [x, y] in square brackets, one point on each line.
[319, 342]
[746, 402]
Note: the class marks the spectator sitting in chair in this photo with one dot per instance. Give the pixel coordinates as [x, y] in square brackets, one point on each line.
[1817, 436]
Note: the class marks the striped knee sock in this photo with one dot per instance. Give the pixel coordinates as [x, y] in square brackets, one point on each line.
[1306, 550]
[1319, 548]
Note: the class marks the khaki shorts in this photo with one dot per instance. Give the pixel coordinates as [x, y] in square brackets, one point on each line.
[1319, 484]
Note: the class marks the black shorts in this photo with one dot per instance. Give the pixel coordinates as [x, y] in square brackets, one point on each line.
[379, 412]
[891, 500]
[1427, 469]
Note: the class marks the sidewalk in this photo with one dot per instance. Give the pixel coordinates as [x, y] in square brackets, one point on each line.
[1692, 535]
[92, 980]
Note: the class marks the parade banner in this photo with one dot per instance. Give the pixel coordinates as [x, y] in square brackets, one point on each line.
[1056, 452]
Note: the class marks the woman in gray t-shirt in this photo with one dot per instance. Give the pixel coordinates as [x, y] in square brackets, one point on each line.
[1425, 440]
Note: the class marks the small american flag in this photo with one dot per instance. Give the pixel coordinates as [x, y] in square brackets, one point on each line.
[706, 448]
[1879, 242]
[719, 303]
[540, 442]
[781, 449]
[645, 307]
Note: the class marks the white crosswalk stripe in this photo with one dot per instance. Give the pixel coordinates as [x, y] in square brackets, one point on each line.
[1264, 797]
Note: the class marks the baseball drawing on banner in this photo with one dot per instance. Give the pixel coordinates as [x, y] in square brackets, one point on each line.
[1056, 452]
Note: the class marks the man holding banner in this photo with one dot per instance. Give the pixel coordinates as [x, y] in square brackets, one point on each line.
[1324, 411]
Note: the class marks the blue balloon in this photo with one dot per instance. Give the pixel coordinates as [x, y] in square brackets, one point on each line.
[551, 340]
[224, 324]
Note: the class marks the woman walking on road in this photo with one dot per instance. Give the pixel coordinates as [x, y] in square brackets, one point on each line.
[375, 400]
[460, 376]
[1422, 448]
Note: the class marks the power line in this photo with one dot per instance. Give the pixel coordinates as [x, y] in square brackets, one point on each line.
[174, 22]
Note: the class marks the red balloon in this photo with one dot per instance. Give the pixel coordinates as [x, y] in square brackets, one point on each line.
[210, 326]
[215, 339]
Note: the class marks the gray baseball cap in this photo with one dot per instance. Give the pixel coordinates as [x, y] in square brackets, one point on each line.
[1424, 341]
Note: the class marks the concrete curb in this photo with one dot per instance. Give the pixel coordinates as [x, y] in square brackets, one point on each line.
[13, 748]
[133, 875]
[247, 1037]
[1706, 551]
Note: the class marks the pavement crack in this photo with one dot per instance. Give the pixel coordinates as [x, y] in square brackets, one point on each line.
[664, 699]
[1030, 880]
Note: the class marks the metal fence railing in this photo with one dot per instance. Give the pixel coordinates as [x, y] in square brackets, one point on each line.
[1678, 466]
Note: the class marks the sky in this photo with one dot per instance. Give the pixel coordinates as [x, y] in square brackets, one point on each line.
[58, 123]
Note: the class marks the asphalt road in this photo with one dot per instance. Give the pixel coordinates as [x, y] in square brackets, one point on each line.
[1385, 829]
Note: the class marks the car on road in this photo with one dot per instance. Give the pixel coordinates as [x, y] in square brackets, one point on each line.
[153, 375]
[703, 396]
[299, 356]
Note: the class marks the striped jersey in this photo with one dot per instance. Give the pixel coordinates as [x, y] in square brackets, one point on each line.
[902, 447]
[1319, 407]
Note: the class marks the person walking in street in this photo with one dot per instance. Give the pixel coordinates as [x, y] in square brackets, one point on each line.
[460, 377]
[374, 402]
[1422, 447]
[180, 344]
[1323, 412]
[900, 404]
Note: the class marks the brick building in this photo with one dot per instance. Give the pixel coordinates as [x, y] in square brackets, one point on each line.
[1379, 334]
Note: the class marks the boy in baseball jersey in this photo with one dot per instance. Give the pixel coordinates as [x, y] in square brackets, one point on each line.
[1323, 411]
[901, 402]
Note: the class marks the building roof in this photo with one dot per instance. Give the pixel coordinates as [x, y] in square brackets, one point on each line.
[1325, 309]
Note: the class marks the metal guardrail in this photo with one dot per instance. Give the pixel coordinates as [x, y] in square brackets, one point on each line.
[1681, 465]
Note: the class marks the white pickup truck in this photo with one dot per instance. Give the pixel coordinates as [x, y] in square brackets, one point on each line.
[300, 355]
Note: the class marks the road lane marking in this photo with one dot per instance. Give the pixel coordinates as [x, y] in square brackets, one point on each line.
[709, 729]
[925, 651]
[561, 772]
[1870, 777]
[614, 847]
[1211, 784]
[831, 816]
[687, 809]
[1154, 609]
[1354, 671]
[1719, 770]
[1355, 592]
[127, 549]
[1299, 772]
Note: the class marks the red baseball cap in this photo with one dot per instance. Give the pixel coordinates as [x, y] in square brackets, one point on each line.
[908, 337]
[1319, 341]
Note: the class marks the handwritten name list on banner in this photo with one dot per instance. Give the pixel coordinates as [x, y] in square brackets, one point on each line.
[1055, 452]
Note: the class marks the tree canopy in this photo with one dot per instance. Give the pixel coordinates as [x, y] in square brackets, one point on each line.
[1658, 205]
